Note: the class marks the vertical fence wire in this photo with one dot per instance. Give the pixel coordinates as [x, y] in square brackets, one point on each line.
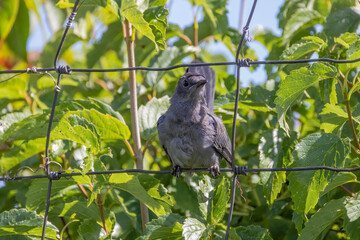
[236, 170]
[60, 70]
[240, 63]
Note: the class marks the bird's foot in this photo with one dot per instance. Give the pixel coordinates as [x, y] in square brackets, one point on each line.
[214, 171]
[176, 171]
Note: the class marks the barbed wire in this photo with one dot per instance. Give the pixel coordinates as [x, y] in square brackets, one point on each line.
[236, 170]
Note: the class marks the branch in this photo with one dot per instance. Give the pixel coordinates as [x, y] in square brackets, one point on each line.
[134, 114]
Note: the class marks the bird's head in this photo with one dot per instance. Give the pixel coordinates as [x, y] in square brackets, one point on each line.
[190, 87]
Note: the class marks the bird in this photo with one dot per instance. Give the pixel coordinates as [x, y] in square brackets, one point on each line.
[191, 134]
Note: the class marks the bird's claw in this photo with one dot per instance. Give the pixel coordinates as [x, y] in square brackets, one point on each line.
[214, 171]
[176, 171]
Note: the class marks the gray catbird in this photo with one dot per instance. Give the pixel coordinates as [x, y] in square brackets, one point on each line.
[190, 133]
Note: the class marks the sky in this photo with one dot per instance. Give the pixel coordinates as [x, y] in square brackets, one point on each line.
[180, 13]
[264, 16]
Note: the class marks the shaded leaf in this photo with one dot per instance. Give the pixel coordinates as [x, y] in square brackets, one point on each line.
[253, 232]
[219, 201]
[322, 219]
[318, 149]
[165, 227]
[338, 180]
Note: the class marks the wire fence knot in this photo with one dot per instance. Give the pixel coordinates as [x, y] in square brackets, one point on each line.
[241, 170]
[63, 69]
[244, 62]
[54, 175]
[32, 70]
[71, 19]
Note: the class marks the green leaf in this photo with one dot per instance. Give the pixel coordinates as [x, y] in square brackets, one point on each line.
[193, 229]
[165, 227]
[89, 230]
[344, 17]
[20, 151]
[19, 33]
[338, 180]
[131, 184]
[304, 47]
[219, 200]
[353, 53]
[24, 223]
[318, 149]
[332, 118]
[36, 195]
[78, 129]
[294, 85]
[150, 113]
[300, 20]
[352, 228]
[272, 155]
[352, 206]
[252, 232]
[8, 13]
[323, 219]
[156, 16]
[131, 12]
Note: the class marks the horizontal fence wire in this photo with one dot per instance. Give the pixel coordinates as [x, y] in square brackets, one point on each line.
[243, 170]
[158, 69]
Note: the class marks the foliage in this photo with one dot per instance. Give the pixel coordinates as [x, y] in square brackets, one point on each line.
[303, 115]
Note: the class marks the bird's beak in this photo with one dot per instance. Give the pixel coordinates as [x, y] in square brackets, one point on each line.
[201, 83]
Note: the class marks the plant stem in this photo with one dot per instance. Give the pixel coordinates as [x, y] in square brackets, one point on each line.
[351, 123]
[134, 114]
[102, 215]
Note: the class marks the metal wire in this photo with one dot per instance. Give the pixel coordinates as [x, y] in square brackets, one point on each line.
[244, 171]
[235, 169]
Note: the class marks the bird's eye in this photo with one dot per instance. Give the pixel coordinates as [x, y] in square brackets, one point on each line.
[186, 83]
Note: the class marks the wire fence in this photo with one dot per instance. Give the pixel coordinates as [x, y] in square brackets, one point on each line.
[236, 170]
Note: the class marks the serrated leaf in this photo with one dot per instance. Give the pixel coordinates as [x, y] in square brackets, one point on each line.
[90, 230]
[37, 192]
[165, 227]
[131, 184]
[193, 229]
[219, 200]
[24, 223]
[318, 149]
[149, 115]
[253, 232]
[301, 19]
[131, 12]
[338, 180]
[294, 85]
[272, 156]
[353, 53]
[332, 118]
[322, 219]
[164, 58]
[352, 206]
[156, 16]
[20, 151]
[352, 228]
[302, 48]
[342, 19]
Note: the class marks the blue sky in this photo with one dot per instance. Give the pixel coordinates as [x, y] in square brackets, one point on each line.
[181, 14]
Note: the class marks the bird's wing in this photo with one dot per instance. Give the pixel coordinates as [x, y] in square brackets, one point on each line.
[222, 143]
[160, 121]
